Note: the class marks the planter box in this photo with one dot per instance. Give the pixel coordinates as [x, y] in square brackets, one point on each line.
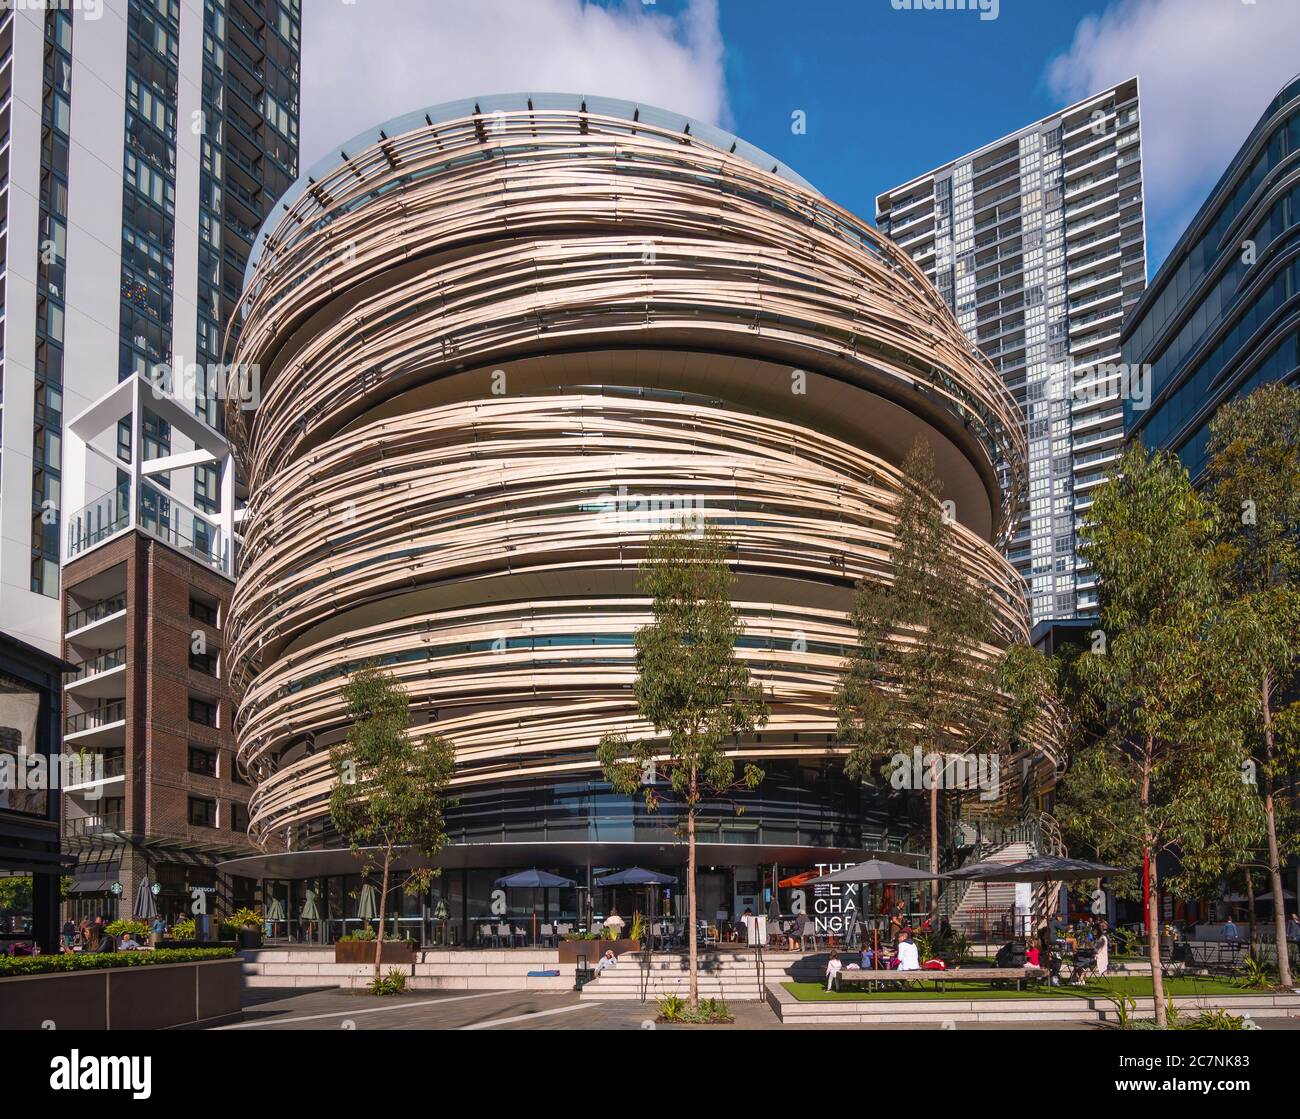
[148, 997]
[363, 952]
[594, 949]
[249, 938]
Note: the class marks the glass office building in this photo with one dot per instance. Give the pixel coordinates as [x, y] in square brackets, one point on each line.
[1222, 315]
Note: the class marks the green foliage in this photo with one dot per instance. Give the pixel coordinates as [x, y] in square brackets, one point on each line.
[360, 934]
[637, 931]
[1256, 974]
[1159, 761]
[394, 983]
[92, 961]
[1218, 1019]
[673, 1008]
[16, 892]
[690, 686]
[926, 674]
[1123, 1003]
[246, 917]
[124, 925]
[184, 930]
[390, 785]
[1253, 480]
[390, 788]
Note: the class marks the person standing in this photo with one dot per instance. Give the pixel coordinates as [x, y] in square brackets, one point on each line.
[833, 968]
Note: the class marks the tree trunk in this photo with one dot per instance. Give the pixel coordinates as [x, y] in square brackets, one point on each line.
[934, 832]
[1250, 913]
[1274, 856]
[692, 948]
[1153, 944]
[383, 901]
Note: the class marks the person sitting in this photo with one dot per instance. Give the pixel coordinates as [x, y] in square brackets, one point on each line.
[908, 959]
[833, 968]
[129, 943]
[608, 960]
[1031, 954]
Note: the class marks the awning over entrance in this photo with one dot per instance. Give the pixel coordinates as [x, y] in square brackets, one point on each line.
[311, 864]
[91, 885]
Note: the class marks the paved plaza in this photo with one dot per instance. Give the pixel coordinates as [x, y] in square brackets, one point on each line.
[334, 1009]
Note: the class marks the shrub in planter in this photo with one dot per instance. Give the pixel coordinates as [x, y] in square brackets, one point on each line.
[183, 930]
[93, 961]
[124, 925]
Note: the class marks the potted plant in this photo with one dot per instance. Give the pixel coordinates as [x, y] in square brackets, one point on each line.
[359, 948]
[247, 924]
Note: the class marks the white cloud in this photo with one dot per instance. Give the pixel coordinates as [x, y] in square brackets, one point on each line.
[1206, 70]
[368, 60]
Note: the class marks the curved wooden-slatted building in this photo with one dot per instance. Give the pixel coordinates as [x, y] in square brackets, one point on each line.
[502, 343]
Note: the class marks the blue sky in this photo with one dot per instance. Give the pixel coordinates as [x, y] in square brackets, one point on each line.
[888, 94]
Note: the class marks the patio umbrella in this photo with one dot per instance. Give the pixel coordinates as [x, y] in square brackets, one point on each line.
[309, 909]
[637, 876]
[145, 909]
[1041, 868]
[869, 873]
[368, 905]
[274, 909]
[533, 879]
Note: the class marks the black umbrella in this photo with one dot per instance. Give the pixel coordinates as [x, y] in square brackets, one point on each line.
[144, 903]
[635, 876]
[532, 880]
[874, 871]
[1041, 868]
[638, 876]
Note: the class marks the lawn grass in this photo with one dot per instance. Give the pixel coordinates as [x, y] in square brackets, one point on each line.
[1135, 985]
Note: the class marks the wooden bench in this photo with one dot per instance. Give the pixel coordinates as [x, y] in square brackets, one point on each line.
[861, 978]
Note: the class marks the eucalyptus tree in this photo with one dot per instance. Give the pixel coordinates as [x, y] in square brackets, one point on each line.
[690, 687]
[390, 794]
[926, 674]
[1253, 479]
[1158, 685]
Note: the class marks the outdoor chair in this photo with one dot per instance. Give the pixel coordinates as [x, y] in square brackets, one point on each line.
[1085, 962]
[548, 935]
[487, 938]
[564, 928]
[521, 935]
[504, 937]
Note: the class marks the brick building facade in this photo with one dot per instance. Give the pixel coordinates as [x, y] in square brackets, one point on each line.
[144, 620]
